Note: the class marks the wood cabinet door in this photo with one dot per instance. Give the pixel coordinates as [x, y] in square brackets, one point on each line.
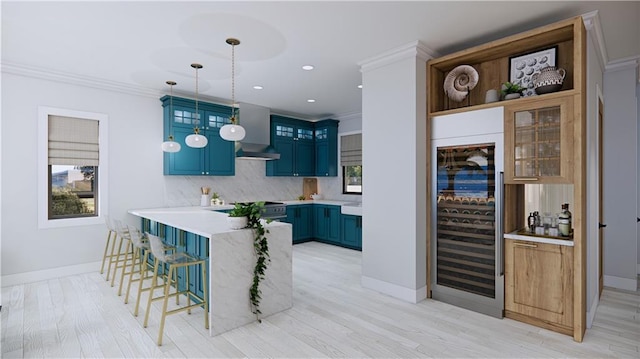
[538, 140]
[539, 283]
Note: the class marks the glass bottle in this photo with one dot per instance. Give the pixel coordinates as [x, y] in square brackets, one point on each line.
[564, 221]
[531, 222]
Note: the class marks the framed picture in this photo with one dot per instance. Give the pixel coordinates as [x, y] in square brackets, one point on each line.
[522, 67]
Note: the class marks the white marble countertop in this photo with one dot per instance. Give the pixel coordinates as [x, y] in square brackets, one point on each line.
[521, 237]
[203, 221]
[346, 207]
[317, 201]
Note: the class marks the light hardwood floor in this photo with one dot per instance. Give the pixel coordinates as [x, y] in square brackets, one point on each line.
[332, 316]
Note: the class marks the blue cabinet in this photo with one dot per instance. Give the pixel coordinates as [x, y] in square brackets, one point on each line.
[351, 231]
[217, 158]
[301, 219]
[191, 243]
[326, 148]
[327, 223]
[294, 140]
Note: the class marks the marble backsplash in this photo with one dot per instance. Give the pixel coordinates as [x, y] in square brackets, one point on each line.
[249, 184]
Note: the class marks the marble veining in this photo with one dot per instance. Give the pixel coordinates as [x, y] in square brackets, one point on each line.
[250, 183]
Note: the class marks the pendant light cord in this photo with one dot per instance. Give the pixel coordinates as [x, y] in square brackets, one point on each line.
[197, 130]
[171, 83]
[233, 84]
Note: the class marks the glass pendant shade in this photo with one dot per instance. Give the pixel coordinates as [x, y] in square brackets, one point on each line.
[196, 140]
[232, 132]
[170, 145]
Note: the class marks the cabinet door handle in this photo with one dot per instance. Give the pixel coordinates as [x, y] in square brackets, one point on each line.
[525, 178]
[526, 245]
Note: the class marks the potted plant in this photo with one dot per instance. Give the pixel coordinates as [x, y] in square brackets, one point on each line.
[511, 90]
[215, 199]
[239, 215]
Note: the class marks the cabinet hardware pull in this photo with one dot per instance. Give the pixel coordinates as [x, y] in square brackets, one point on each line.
[526, 245]
[525, 178]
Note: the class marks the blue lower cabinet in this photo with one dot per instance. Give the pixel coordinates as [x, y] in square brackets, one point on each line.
[301, 219]
[327, 223]
[352, 231]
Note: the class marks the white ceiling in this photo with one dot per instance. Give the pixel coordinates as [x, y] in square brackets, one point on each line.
[140, 45]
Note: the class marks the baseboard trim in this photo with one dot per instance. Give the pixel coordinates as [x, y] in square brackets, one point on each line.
[621, 283]
[406, 294]
[46, 274]
[591, 313]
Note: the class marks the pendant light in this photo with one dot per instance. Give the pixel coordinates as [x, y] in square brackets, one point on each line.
[196, 140]
[170, 145]
[233, 132]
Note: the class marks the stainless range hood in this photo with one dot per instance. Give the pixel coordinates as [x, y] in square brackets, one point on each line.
[256, 122]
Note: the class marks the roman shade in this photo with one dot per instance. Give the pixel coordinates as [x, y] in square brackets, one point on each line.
[351, 150]
[73, 141]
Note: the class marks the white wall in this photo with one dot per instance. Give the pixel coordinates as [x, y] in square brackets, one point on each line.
[394, 174]
[135, 178]
[620, 176]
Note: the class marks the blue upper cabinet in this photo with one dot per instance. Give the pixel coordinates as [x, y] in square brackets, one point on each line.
[294, 140]
[217, 158]
[326, 148]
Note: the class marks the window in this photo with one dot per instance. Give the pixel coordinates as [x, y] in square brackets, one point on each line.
[352, 176]
[72, 167]
[72, 191]
[351, 161]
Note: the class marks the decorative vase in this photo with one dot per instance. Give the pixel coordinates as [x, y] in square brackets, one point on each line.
[491, 96]
[237, 222]
[511, 96]
[548, 80]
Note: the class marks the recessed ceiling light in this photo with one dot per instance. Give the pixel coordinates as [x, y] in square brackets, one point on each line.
[359, 86]
[257, 87]
[311, 100]
[307, 67]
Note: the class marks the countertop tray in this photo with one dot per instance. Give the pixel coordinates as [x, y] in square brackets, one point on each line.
[526, 232]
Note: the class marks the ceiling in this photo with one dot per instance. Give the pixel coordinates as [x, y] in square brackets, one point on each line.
[140, 45]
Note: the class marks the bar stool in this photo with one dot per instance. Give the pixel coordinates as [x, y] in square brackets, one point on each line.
[111, 240]
[122, 258]
[141, 251]
[175, 261]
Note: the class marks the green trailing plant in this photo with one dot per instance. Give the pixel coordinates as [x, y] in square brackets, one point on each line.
[242, 209]
[253, 211]
[509, 87]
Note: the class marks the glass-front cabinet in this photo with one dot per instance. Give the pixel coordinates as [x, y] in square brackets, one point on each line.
[539, 142]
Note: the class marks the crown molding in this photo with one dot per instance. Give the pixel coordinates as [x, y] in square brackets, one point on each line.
[356, 115]
[78, 80]
[415, 49]
[593, 26]
[623, 64]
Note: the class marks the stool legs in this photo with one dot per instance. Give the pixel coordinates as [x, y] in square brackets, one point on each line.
[169, 281]
[106, 250]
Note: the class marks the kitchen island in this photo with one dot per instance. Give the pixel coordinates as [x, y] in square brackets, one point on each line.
[231, 259]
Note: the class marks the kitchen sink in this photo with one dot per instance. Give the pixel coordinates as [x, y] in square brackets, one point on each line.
[353, 208]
